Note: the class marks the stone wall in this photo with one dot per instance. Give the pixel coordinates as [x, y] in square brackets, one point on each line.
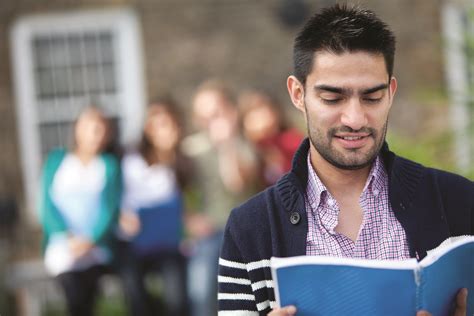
[242, 41]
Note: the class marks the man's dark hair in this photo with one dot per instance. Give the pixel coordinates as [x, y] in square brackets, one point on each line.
[340, 29]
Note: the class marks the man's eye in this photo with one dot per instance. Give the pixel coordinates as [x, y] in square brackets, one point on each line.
[331, 101]
[372, 100]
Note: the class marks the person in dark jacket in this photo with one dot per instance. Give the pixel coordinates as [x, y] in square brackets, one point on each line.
[347, 194]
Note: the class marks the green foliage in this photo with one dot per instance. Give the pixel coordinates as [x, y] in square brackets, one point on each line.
[432, 151]
[105, 306]
[429, 96]
[111, 307]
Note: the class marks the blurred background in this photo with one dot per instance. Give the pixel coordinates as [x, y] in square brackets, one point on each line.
[61, 55]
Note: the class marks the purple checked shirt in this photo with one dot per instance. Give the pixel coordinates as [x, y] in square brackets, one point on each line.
[381, 236]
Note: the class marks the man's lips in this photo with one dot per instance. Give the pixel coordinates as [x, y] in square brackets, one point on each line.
[352, 140]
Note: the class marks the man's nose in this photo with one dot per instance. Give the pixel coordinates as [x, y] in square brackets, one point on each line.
[353, 115]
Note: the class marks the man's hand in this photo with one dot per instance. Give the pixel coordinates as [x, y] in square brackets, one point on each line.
[461, 305]
[283, 311]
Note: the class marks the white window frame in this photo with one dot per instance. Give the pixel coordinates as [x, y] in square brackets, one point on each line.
[124, 24]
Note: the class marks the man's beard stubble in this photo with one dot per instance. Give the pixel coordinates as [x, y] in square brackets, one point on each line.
[323, 145]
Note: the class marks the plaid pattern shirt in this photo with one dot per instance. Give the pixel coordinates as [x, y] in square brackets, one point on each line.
[381, 236]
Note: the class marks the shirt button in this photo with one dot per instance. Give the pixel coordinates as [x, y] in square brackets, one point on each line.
[376, 192]
[295, 218]
[331, 202]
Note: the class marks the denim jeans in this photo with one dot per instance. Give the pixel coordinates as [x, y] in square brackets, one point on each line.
[202, 276]
[170, 265]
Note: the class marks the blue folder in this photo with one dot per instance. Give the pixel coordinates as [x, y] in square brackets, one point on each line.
[161, 227]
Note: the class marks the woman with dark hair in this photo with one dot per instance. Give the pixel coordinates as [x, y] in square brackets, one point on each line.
[265, 127]
[152, 204]
[78, 211]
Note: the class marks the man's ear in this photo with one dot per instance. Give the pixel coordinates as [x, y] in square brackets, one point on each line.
[392, 89]
[393, 86]
[296, 91]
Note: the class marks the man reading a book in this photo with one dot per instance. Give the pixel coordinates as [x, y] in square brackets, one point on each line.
[347, 194]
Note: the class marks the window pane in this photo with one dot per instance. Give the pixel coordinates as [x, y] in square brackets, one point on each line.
[61, 82]
[109, 78]
[59, 53]
[77, 81]
[106, 48]
[54, 135]
[93, 79]
[41, 52]
[75, 50]
[75, 64]
[44, 83]
[91, 50]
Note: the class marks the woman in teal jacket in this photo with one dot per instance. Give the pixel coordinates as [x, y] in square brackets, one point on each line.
[78, 211]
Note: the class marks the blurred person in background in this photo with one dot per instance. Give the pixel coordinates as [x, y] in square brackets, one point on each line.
[152, 208]
[80, 194]
[265, 127]
[225, 173]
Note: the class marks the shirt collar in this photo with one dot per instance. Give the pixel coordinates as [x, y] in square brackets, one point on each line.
[315, 187]
[319, 192]
[376, 180]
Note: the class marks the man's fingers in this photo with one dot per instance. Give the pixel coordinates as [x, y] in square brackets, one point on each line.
[290, 310]
[461, 303]
[423, 313]
[284, 311]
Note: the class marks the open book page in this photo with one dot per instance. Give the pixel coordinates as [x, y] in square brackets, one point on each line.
[277, 262]
[445, 247]
[320, 285]
[446, 270]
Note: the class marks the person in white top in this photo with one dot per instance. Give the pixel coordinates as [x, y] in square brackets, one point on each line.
[152, 208]
[78, 211]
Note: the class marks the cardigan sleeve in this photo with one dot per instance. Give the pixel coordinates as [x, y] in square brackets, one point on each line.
[245, 286]
[235, 296]
[110, 200]
[50, 218]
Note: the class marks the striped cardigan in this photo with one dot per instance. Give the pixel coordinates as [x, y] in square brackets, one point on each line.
[430, 204]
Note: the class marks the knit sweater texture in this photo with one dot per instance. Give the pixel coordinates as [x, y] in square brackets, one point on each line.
[430, 204]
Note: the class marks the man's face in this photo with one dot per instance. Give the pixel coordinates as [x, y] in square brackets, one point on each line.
[346, 102]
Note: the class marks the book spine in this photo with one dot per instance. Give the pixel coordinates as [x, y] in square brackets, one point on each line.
[276, 288]
[418, 274]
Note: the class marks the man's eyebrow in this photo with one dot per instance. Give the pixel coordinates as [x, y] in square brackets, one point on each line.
[332, 89]
[339, 90]
[379, 87]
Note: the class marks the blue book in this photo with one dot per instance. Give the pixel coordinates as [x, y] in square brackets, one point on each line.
[161, 227]
[322, 285]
